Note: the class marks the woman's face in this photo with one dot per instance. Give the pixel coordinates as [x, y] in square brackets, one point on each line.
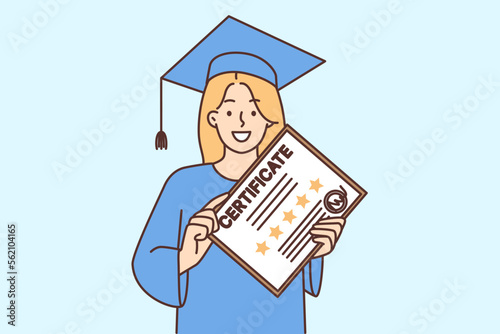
[238, 121]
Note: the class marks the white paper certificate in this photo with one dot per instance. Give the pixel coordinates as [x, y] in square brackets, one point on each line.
[265, 223]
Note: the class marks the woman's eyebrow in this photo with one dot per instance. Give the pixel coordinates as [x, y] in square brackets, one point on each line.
[254, 100]
[229, 100]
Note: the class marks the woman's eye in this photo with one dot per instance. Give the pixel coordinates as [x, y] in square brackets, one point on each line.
[229, 113]
[254, 113]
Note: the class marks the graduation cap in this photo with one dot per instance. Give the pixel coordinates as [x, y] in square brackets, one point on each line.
[234, 46]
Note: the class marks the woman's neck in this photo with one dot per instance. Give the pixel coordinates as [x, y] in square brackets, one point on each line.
[233, 164]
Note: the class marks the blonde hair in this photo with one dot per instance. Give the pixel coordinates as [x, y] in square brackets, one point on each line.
[212, 148]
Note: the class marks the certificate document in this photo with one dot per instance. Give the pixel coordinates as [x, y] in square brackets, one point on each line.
[265, 222]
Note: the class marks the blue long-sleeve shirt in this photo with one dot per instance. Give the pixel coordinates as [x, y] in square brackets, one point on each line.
[216, 296]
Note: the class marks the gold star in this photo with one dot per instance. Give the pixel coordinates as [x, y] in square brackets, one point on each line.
[275, 232]
[262, 248]
[302, 200]
[289, 216]
[315, 185]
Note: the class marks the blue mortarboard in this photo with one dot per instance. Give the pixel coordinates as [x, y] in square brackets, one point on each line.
[234, 46]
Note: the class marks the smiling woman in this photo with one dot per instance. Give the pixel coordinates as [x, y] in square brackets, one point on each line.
[242, 104]
[239, 69]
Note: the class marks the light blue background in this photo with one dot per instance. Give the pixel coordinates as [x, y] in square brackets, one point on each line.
[400, 245]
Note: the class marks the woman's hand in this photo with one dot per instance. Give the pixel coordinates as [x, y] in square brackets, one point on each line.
[196, 242]
[327, 232]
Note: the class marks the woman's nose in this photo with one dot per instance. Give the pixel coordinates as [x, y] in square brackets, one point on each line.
[241, 119]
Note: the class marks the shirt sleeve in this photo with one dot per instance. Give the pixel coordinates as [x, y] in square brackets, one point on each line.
[313, 275]
[156, 259]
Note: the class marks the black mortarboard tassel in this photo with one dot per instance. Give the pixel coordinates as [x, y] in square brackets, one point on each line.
[161, 137]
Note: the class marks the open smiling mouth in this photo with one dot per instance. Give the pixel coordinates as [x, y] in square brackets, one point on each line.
[241, 136]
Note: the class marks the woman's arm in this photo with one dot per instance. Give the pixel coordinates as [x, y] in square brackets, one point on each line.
[326, 232]
[313, 275]
[156, 258]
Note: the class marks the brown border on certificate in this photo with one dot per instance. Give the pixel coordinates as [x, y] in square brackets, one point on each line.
[362, 193]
